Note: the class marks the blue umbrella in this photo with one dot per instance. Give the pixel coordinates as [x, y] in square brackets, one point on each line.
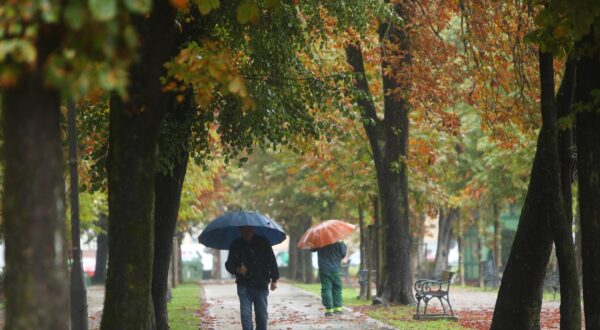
[222, 231]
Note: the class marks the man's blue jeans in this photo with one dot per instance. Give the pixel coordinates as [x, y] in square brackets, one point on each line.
[258, 297]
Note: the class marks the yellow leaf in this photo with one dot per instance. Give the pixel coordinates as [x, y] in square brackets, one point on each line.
[235, 85]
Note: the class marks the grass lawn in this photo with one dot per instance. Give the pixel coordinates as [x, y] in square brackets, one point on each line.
[398, 316]
[184, 307]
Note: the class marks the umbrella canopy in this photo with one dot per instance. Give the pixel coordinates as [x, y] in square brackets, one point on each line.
[325, 233]
[222, 231]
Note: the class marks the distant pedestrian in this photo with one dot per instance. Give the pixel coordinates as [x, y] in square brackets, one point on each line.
[252, 261]
[330, 259]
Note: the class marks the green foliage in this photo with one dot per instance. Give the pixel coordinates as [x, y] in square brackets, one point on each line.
[139, 6]
[563, 23]
[81, 46]
[205, 6]
[92, 124]
[92, 206]
[247, 12]
[103, 10]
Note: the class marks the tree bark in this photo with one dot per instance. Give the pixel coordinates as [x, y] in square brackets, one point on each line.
[294, 253]
[369, 260]
[378, 243]
[179, 240]
[36, 282]
[520, 296]
[588, 169]
[461, 254]
[131, 165]
[167, 191]
[562, 228]
[216, 266]
[101, 251]
[446, 218]
[363, 251]
[497, 237]
[308, 276]
[168, 194]
[389, 141]
[480, 234]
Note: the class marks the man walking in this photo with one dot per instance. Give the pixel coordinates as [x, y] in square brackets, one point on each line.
[330, 258]
[252, 261]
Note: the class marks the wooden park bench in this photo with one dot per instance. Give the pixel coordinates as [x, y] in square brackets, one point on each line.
[426, 289]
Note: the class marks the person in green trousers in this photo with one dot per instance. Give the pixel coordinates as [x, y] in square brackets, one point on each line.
[330, 259]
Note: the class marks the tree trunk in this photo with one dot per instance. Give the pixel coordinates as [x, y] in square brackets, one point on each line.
[216, 266]
[131, 167]
[389, 141]
[480, 252]
[298, 259]
[461, 254]
[37, 280]
[168, 193]
[375, 232]
[370, 260]
[292, 251]
[308, 276]
[562, 228]
[179, 240]
[175, 264]
[363, 251]
[444, 235]
[300, 270]
[417, 225]
[520, 296]
[497, 237]
[101, 251]
[588, 168]
[131, 164]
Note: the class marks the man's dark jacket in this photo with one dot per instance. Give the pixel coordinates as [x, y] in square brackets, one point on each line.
[259, 259]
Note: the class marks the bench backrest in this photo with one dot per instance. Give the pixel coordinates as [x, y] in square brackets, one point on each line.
[446, 276]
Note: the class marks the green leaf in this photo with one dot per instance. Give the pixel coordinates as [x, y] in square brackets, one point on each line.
[205, 6]
[214, 4]
[50, 11]
[103, 10]
[139, 6]
[75, 15]
[275, 4]
[247, 12]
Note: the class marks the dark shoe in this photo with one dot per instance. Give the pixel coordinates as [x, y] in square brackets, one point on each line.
[328, 314]
[338, 312]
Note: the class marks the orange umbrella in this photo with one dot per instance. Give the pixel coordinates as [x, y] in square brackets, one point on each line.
[325, 233]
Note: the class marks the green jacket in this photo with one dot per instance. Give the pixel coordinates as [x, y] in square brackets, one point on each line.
[330, 257]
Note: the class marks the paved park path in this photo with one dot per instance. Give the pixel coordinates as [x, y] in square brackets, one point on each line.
[293, 308]
[290, 308]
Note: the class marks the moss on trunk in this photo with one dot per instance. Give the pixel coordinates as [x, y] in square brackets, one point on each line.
[588, 168]
[131, 164]
[36, 282]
